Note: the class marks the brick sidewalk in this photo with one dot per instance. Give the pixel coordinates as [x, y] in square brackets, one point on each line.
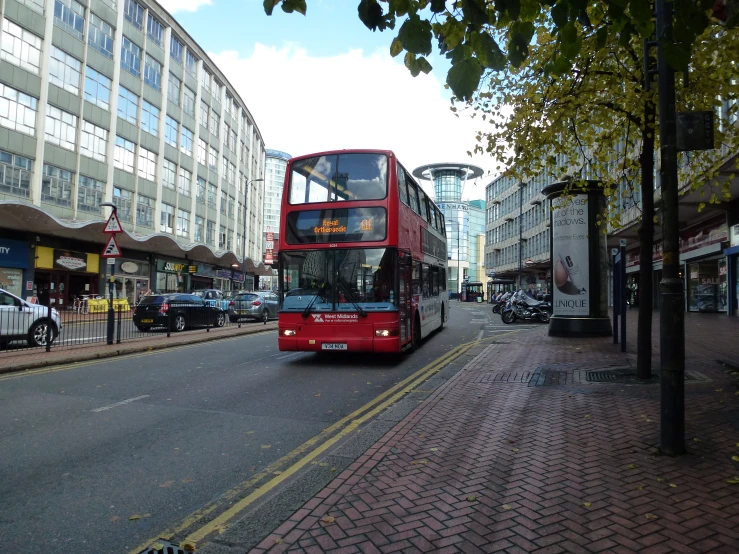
[30, 358]
[498, 461]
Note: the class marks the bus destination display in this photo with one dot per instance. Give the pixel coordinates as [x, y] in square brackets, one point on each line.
[337, 225]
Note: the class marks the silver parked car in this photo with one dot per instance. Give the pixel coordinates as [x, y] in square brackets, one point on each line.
[21, 320]
[259, 305]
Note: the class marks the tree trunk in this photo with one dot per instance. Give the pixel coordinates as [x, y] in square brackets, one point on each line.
[646, 246]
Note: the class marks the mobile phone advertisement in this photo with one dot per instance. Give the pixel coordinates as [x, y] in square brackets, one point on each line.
[570, 257]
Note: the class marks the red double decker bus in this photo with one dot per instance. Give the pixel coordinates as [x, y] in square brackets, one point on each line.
[362, 255]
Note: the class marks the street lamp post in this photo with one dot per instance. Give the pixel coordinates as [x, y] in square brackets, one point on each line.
[459, 268]
[111, 314]
[243, 234]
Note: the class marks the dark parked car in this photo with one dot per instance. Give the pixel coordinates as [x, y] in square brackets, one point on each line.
[259, 305]
[176, 311]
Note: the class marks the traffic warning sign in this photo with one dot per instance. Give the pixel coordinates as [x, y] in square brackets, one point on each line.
[111, 249]
[113, 225]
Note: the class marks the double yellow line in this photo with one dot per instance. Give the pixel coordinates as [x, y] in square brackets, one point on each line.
[314, 448]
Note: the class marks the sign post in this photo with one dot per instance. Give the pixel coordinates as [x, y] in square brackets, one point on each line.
[110, 252]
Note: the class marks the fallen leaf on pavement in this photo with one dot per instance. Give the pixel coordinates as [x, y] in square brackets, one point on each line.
[587, 504]
[134, 517]
[278, 540]
[719, 390]
[187, 480]
[434, 449]
[673, 485]
[587, 416]
[369, 383]
[471, 498]
[277, 472]
[650, 516]
[506, 506]
[328, 519]
[114, 519]
[660, 479]
[640, 488]
[189, 547]
[250, 432]
[166, 484]
[696, 439]
[266, 446]
[734, 481]
[735, 458]
[319, 394]
[631, 466]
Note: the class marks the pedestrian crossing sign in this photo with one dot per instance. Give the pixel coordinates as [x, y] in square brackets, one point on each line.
[111, 249]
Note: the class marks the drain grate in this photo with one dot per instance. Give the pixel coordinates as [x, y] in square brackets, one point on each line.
[601, 376]
[506, 377]
[164, 547]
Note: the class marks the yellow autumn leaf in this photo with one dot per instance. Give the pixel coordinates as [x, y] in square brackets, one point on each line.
[733, 481]
[587, 504]
[323, 464]
[277, 472]
[188, 547]
[434, 449]
[735, 458]
[660, 479]
[114, 519]
[278, 540]
[369, 383]
[631, 466]
[587, 416]
[471, 498]
[514, 449]
[134, 517]
[650, 516]
[328, 519]
[166, 484]
[640, 488]
[319, 394]
[506, 506]
[157, 546]
[250, 432]
[719, 390]
[187, 480]
[696, 439]
[266, 446]
[673, 485]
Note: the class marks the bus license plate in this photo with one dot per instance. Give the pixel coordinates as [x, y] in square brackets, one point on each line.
[147, 321]
[333, 346]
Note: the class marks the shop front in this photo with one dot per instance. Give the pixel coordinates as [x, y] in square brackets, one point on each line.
[131, 279]
[62, 276]
[732, 269]
[203, 278]
[13, 266]
[171, 276]
[224, 278]
[706, 266]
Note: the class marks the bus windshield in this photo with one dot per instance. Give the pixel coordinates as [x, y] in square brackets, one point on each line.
[338, 177]
[339, 280]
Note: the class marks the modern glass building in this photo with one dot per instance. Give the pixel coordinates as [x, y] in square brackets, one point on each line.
[111, 101]
[463, 220]
[274, 180]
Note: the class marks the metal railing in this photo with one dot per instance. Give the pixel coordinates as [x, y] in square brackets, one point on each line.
[85, 322]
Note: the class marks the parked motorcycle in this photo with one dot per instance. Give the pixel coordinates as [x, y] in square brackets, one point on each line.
[521, 306]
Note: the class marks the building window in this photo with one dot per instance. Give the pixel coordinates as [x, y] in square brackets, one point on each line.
[17, 110]
[100, 36]
[153, 73]
[217, 90]
[35, 5]
[224, 167]
[175, 50]
[170, 134]
[186, 141]
[64, 70]
[128, 104]
[215, 123]
[147, 164]
[20, 47]
[149, 118]
[122, 200]
[169, 173]
[89, 194]
[15, 174]
[199, 224]
[205, 79]
[233, 141]
[93, 141]
[123, 156]
[229, 104]
[155, 30]
[166, 222]
[200, 191]
[173, 90]
[212, 157]
[70, 16]
[231, 202]
[185, 178]
[231, 173]
[210, 231]
[183, 223]
[204, 110]
[212, 192]
[131, 57]
[134, 13]
[188, 102]
[224, 202]
[202, 147]
[191, 63]
[97, 88]
[227, 132]
[222, 237]
[56, 186]
[144, 211]
[61, 127]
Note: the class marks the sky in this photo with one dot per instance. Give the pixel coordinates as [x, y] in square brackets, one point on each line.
[324, 81]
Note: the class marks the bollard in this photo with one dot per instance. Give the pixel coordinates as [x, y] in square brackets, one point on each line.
[169, 321]
[118, 337]
[49, 333]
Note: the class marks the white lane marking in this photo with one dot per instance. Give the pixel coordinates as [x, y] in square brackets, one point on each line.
[479, 335]
[288, 355]
[121, 403]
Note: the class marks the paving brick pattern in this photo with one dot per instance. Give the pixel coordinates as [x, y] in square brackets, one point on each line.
[490, 463]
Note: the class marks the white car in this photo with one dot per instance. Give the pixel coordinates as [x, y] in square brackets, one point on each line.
[20, 320]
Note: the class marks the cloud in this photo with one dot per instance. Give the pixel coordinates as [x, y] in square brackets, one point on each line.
[173, 6]
[304, 104]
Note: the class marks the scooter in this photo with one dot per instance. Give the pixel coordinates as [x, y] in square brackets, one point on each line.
[520, 306]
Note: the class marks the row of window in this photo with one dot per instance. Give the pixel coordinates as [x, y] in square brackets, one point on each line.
[532, 247]
[411, 194]
[428, 280]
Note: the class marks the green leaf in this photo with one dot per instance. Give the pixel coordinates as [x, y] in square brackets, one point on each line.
[422, 65]
[560, 14]
[474, 13]
[416, 35]
[488, 51]
[371, 14]
[452, 32]
[601, 37]
[518, 49]
[400, 7]
[438, 6]
[269, 5]
[290, 6]
[676, 55]
[571, 43]
[396, 47]
[464, 77]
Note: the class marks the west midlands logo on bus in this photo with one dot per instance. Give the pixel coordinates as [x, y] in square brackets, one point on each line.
[335, 318]
[318, 318]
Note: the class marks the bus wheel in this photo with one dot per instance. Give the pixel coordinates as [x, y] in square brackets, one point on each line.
[416, 333]
[441, 325]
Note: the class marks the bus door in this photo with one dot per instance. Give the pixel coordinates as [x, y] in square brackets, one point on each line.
[404, 295]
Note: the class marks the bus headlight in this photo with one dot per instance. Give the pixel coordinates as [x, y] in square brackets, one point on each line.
[387, 332]
[288, 332]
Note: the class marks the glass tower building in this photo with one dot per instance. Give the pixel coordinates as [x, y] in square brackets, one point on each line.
[465, 220]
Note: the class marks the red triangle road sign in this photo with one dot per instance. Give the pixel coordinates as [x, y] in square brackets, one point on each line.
[113, 225]
[111, 249]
